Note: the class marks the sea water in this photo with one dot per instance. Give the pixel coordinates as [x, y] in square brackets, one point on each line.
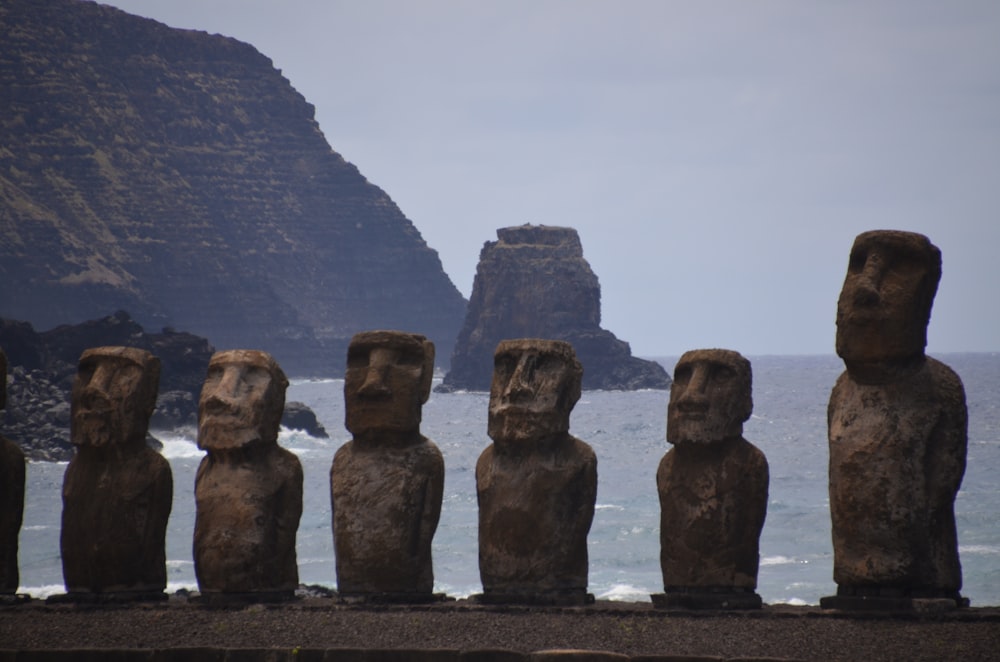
[627, 431]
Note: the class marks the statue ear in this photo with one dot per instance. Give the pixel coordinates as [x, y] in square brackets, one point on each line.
[427, 376]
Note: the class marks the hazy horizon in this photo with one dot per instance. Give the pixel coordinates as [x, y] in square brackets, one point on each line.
[717, 158]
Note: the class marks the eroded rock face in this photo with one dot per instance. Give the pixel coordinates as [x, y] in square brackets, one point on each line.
[11, 497]
[178, 175]
[117, 492]
[534, 283]
[897, 428]
[536, 484]
[713, 484]
[386, 484]
[248, 490]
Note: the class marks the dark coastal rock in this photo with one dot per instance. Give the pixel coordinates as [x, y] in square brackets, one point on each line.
[298, 416]
[117, 492]
[248, 490]
[897, 433]
[534, 283]
[179, 176]
[713, 486]
[536, 484]
[43, 365]
[387, 482]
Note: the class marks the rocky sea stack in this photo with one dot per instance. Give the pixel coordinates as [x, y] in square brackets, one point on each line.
[534, 283]
[179, 176]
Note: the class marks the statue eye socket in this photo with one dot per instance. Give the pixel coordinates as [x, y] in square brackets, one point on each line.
[682, 374]
[858, 260]
[410, 359]
[723, 373]
[357, 359]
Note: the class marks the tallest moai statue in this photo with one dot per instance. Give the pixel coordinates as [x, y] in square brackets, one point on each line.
[897, 433]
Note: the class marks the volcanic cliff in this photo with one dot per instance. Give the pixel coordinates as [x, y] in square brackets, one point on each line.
[178, 175]
[535, 283]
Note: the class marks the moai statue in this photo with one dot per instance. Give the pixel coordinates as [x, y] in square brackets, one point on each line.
[712, 485]
[11, 498]
[248, 490]
[536, 483]
[386, 484]
[897, 433]
[117, 491]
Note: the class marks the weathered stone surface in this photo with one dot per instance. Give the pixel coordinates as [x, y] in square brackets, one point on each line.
[178, 175]
[534, 283]
[536, 483]
[386, 484]
[897, 429]
[713, 483]
[248, 490]
[11, 497]
[117, 492]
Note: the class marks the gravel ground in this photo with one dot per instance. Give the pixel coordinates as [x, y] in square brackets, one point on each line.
[804, 633]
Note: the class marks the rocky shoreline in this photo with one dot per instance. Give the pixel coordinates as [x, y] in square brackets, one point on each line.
[43, 366]
[312, 625]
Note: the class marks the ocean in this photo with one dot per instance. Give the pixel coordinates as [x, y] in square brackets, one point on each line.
[627, 431]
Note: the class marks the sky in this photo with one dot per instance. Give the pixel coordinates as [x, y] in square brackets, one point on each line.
[716, 157]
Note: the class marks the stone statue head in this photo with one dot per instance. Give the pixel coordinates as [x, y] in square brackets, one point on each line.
[535, 385]
[710, 397]
[885, 304]
[388, 380]
[241, 401]
[113, 397]
[3, 381]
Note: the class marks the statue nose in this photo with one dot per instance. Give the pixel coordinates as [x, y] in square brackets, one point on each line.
[375, 384]
[868, 283]
[521, 382]
[101, 380]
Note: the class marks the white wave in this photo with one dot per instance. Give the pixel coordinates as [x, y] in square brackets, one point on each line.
[794, 602]
[37, 527]
[625, 593]
[985, 550]
[178, 564]
[780, 560]
[314, 380]
[42, 592]
[173, 587]
[176, 446]
[608, 506]
[459, 593]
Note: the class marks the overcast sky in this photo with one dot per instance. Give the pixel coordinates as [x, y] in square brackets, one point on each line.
[717, 158]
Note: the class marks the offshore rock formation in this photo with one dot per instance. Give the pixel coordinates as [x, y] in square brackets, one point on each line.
[535, 283]
[712, 485]
[536, 483]
[178, 175]
[387, 483]
[117, 492]
[43, 365]
[248, 490]
[897, 432]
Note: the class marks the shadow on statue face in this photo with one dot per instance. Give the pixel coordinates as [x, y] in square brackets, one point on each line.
[114, 394]
[241, 401]
[535, 385]
[886, 300]
[388, 380]
[710, 397]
